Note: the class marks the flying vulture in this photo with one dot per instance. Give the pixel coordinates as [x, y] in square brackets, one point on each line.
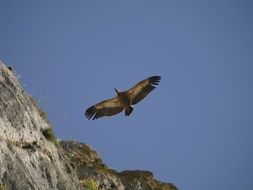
[123, 100]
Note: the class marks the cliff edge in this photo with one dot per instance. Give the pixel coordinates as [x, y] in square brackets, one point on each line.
[32, 158]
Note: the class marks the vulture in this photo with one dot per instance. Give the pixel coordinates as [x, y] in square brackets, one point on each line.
[123, 100]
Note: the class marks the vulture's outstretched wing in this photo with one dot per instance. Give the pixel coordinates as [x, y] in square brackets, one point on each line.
[104, 108]
[141, 90]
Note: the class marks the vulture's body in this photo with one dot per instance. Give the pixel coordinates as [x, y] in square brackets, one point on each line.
[123, 100]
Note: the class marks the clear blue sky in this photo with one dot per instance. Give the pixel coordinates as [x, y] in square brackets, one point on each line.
[195, 129]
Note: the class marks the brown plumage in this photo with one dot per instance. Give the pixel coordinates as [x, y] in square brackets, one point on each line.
[123, 100]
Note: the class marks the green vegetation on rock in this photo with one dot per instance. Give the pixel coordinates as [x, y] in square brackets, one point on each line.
[49, 135]
[2, 186]
[90, 184]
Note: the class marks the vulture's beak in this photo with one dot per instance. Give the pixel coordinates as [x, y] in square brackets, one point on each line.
[116, 90]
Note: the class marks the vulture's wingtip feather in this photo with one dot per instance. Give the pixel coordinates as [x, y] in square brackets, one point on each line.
[155, 80]
[90, 112]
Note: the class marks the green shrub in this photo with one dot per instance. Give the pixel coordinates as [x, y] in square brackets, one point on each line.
[49, 135]
[2, 186]
[90, 184]
[73, 165]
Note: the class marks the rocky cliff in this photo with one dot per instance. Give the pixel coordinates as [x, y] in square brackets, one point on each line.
[31, 158]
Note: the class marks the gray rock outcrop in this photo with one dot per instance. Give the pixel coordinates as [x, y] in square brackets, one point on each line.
[27, 159]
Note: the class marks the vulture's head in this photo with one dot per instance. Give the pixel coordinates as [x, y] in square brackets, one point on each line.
[116, 90]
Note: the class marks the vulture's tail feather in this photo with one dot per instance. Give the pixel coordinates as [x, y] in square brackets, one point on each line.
[128, 111]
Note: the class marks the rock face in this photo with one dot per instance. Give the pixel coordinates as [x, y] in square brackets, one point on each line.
[88, 165]
[27, 159]
[30, 158]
